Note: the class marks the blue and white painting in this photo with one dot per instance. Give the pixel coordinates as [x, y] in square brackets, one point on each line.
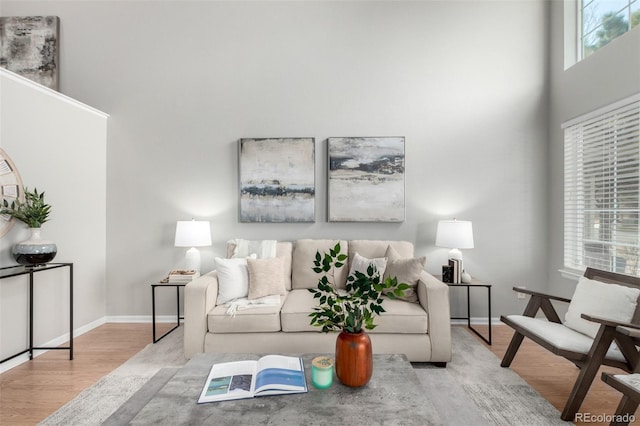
[366, 179]
[277, 180]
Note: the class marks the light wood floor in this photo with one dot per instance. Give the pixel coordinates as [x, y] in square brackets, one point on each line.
[33, 390]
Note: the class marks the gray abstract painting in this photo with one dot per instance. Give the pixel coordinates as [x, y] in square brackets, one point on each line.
[29, 47]
[277, 180]
[366, 179]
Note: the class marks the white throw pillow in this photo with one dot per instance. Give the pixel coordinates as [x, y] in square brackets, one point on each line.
[233, 279]
[611, 301]
[361, 264]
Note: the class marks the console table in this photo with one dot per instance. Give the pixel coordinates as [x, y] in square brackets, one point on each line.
[31, 271]
[475, 284]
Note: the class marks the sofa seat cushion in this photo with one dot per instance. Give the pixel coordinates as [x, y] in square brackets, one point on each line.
[254, 319]
[400, 317]
[296, 309]
[561, 336]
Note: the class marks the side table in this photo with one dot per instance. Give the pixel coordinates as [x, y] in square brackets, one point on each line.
[475, 284]
[153, 306]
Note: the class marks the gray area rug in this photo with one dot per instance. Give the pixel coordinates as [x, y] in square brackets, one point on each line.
[472, 390]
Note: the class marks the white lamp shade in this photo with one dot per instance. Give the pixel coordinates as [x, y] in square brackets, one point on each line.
[193, 233]
[454, 233]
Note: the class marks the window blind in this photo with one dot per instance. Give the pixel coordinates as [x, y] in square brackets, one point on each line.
[602, 189]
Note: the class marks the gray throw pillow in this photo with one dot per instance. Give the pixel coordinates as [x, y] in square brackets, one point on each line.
[406, 270]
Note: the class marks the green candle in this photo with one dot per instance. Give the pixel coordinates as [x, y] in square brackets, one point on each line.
[322, 372]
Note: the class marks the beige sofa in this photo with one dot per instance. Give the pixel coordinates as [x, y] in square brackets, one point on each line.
[421, 331]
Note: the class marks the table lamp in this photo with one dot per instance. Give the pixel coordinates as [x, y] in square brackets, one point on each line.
[455, 234]
[193, 233]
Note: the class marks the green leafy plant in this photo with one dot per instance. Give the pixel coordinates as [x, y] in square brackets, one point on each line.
[33, 211]
[361, 302]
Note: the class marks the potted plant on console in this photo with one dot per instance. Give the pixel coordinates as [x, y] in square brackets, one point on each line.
[350, 312]
[33, 211]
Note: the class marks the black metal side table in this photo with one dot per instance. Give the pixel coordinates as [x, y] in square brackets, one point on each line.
[153, 306]
[475, 284]
[17, 270]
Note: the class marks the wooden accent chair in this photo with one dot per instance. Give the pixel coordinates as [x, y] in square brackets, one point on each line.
[590, 346]
[629, 385]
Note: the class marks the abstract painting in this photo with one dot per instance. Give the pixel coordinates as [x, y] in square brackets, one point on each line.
[366, 179]
[29, 47]
[277, 180]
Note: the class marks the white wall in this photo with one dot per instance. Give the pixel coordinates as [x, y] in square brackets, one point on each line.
[610, 74]
[58, 146]
[465, 82]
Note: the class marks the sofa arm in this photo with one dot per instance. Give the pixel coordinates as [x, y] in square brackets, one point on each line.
[199, 298]
[433, 295]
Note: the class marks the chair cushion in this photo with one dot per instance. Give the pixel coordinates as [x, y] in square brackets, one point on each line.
[304, 253]
[631, 380]
[254, 319]
[562, 337]
[611, 301]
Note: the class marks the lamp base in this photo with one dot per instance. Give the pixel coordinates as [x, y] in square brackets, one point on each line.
[457, 255]
[193, 259]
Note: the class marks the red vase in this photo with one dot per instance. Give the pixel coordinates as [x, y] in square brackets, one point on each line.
[354, 359]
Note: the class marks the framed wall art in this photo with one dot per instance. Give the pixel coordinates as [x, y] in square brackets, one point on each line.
[366, 181]
[277, 180]
[29, 47]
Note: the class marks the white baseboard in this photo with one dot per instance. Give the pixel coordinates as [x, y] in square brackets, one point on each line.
[143, 319]
[478, 321]
[8, 365]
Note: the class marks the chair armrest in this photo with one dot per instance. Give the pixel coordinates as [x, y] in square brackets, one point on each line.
[199, 298]
[609, 322]
[543, 295]
[433, 296]
[631, 330]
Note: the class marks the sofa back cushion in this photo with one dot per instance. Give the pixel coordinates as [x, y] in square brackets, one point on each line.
[304, 253]
[378, 248]
[283, 250]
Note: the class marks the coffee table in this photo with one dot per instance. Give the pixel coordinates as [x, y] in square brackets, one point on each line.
[393, 396]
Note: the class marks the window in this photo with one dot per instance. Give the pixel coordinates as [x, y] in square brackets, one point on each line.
[604, 20]
[602, 189]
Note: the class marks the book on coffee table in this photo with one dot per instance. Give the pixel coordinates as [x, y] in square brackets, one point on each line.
[270, 375]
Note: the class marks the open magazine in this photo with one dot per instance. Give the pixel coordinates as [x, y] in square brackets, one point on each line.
[270, 375]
